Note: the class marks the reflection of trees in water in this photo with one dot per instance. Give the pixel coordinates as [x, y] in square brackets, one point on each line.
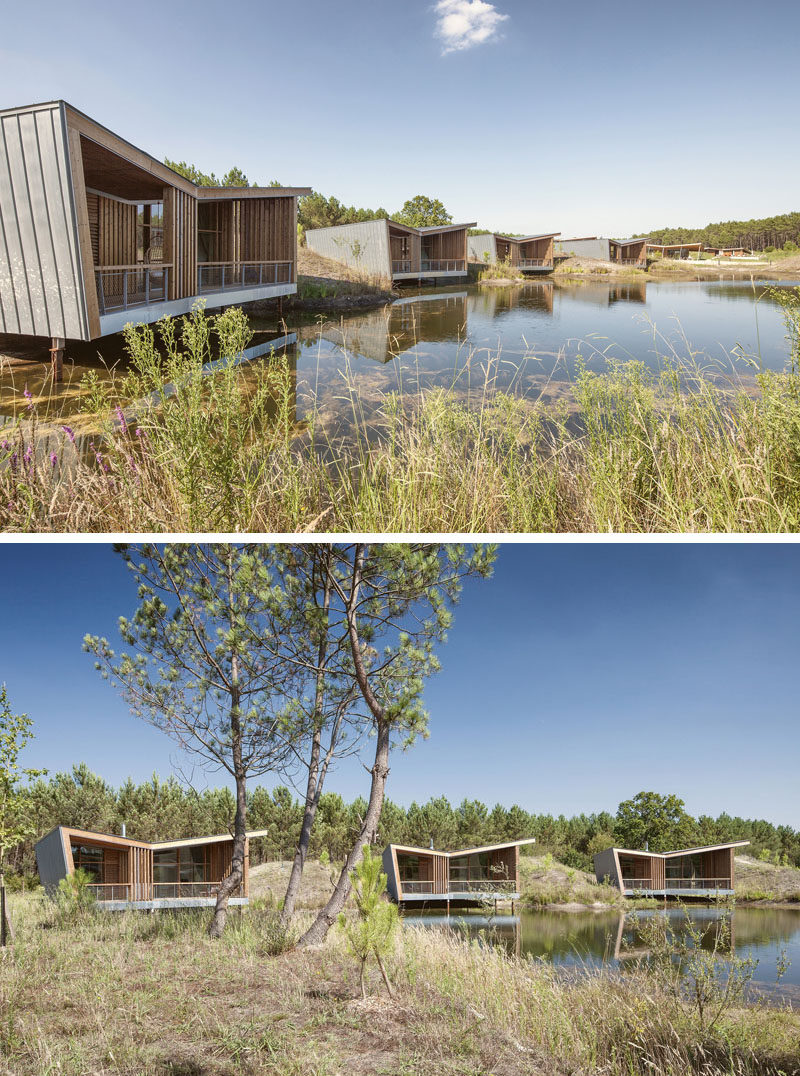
[604, 293]
[492, 302]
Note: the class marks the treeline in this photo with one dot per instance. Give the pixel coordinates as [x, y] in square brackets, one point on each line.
[769, 233]
[165, 809]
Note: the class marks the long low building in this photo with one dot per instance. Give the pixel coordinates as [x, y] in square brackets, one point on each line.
[97, 233]
[470, 875]
[631, 252]
[529, 253]
[127, 874]
[393, 251]
[706, 871]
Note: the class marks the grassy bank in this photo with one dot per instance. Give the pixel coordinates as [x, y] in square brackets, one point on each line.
[757, 880]
[152, 995]
[627, 449]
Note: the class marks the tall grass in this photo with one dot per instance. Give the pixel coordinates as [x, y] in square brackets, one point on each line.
[152, 994]
[632, 449]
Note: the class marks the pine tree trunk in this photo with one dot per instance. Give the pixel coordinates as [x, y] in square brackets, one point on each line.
[366, 835]
[233, 880]
[315, 779]
[383, 973]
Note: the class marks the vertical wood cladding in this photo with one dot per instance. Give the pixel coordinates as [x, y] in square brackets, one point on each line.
[180, 242]
[116, 231]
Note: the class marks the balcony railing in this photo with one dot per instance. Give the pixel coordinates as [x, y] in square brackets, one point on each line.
[534, 263]
[401, 266]
[188, 889]
[220, 276]
[645, 884]
[640, 263]
[434, 265]
[473, 885]
[120, 287]
[110, 890]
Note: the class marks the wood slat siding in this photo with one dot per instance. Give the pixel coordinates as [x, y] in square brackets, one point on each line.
[41, 286]
[180, 242]
[116, 229]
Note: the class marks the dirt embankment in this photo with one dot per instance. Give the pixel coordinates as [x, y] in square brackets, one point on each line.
[766, 883]
[678, 269]
[323, 284]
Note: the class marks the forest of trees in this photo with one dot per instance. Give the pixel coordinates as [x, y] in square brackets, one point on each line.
[769, 233]
[164, 809]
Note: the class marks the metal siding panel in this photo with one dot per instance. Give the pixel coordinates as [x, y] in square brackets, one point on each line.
[478, 245]
[337, 244]
[50, 860]
[586, 248]
[40, 288]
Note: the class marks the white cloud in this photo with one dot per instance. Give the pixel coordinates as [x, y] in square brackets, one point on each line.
[465, 23]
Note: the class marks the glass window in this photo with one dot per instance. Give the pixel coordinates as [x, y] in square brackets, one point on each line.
[90, 859]
[165, 866]
[150, 232]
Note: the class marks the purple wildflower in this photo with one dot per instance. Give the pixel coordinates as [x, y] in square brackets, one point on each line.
[68, 430]
[121, 418]
[28, 454]
[53, 459]
[4, 445]
[139, 431]
[28, 396]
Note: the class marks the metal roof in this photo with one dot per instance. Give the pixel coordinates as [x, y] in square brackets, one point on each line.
[461, 851]
[88, 834]
[680, 851]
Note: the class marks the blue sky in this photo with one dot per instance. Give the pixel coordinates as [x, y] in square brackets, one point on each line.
[577, 676]
[585, 118]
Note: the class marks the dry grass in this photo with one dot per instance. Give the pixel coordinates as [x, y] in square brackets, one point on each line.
[678, 449]
[544, 881]
[315, 270]
[269, 881]
[152, 995]
[756, 880]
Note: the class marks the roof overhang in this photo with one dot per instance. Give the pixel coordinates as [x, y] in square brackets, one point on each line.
[462, 851]
[679, 852]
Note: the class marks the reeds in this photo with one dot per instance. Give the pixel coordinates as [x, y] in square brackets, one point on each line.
[629, 448]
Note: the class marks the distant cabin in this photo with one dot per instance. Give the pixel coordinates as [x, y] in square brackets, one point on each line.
[127, 874]
[384, 248]
[97, 233]
[528, 253]
[729, 252]
[471, 875]
[675, 250]
[707, 871]
[631, 252]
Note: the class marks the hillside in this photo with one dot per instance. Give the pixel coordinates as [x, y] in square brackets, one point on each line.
[756, 880]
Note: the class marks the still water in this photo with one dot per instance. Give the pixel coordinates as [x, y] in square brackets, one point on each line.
[534, 333]
[589, 939]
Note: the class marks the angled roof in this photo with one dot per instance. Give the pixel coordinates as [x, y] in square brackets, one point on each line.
[628, 242]
[128, 842]
[680, 851]
[217, 193]
[445, 227]
[461, 851]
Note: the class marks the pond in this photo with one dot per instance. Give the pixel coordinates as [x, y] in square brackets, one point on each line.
[590, 939]
[534, 333]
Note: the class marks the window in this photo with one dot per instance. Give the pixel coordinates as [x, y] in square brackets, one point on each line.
[87, 857]
[409, 868]
[684, 867]
[474, 868]
[150, 232]
[182, 865]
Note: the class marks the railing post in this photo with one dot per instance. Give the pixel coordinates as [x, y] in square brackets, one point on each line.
[124, 289]
[147, 287]
[222, 285]
[101, 293]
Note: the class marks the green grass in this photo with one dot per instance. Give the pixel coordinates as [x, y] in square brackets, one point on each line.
[152, 995]
[625, 450]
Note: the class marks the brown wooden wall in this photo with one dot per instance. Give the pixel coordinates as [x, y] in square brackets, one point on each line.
[538, 248]
[180, 242]
[267, 229]
[504, 864]
[112, 228]
[446, 246]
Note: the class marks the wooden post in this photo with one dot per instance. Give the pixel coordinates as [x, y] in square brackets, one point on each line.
[2, 916]
[57, 357]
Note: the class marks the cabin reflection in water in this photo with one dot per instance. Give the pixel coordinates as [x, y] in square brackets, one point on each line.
[493, 302]
[383, 334]
[605, 295]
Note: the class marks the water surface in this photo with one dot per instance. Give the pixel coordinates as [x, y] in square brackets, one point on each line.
[533, 334]
[590, 939]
